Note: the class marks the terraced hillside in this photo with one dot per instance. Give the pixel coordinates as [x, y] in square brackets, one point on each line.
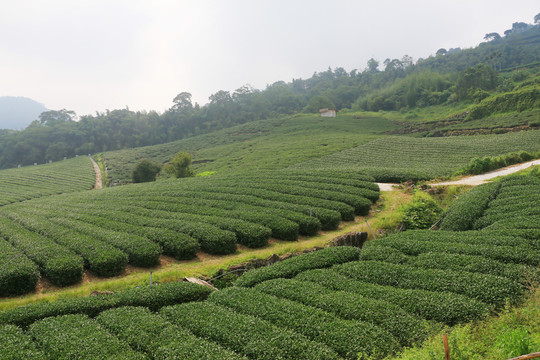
[266, 144]
[397, 158]
[30, 182]
[335, 303]
[103, 231]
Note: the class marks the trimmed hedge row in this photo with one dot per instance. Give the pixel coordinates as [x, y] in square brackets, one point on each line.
[371, 194]
[516, 254]
[61, 266]
[494, 290]
[101, 258]
[252, 229]
[293, 266]
[212, 239]
[175, 244]
[462, 237]
[16, 345]
[469, 207]
[148, 332]
[445, 307]
[531, 222]
[140, 251]
[348, 338]
[503, 214]
[79, 337]
[329, 219]
[244, 334]
[406, 328]
[346, 211]
[18, 274]
[361, 205]
[306, 224]
[448, 261]
[152, 297]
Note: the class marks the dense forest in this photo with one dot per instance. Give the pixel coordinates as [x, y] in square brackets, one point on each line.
[450, 76]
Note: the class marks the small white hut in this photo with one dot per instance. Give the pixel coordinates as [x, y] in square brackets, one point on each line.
[328, 112]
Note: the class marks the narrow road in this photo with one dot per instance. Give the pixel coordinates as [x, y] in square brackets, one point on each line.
[99, 183]
[477, 179]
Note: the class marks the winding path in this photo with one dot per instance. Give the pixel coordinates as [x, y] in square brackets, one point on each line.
[99, 183]
[477, 179]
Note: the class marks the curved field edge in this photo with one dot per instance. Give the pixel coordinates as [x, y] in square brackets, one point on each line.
[380, 214]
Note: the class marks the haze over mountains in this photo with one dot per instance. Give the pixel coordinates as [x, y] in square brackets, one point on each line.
[17, 112]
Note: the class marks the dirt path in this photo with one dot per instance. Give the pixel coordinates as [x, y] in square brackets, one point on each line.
[477, 179]
[482, 179]
[99, 183]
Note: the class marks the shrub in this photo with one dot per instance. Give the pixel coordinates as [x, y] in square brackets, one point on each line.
[148, 332]
[152, 297]
[421, 212]
[445, 307]
[77, 336]
[61, 266]
[245, 334]
[490, 289]
[469, 207]
[17, 345]
[144, 171]
[18, 275]
[346, 337]
[449, 261]
[290, 267]
[406, 328]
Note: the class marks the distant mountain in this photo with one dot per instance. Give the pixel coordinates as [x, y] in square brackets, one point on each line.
[17, 112]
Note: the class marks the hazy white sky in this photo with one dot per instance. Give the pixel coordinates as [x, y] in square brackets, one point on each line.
[92, 55]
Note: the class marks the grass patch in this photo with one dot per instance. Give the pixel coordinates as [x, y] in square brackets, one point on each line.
[513, 332]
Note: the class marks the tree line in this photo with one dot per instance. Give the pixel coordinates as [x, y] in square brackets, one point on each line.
[393, 84]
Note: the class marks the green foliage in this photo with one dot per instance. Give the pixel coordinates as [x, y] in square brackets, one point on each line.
[392, 157]
[520, 100]
[512, 332]
[17, 345]
[152, 297]
[18, 274]
[416, 89]
[145, 171]
[407, 329]
[179, 165]
[317, 103]
[489, 289]
[269, 144]
[469, 207]
[479, 77]
[77, 336]
[501, 248]
[487, 163]
[49, 179]
[293, 266]
[346, 337]
[436, 259]
[244, 334]
[421, 212]
[61, 266]
[444, 307]
[148, 332]
[100, 257]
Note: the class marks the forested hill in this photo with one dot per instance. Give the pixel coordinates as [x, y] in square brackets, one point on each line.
[450, 77]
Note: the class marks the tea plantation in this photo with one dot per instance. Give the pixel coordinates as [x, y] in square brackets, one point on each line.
[104, 231]
[335, 303]
[30, 182]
